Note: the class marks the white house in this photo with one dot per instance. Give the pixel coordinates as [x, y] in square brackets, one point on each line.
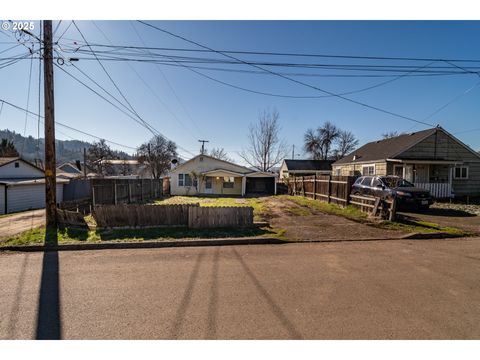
[22, 186]
[206, 175]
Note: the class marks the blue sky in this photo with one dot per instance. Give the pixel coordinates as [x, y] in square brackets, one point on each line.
[193, 107]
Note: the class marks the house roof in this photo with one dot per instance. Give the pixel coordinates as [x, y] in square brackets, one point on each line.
[309, 165]
[386, 148]
[10, 182]
[247, 170]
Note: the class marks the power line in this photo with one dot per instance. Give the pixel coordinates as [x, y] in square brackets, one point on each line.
[294, 80]
[148, 86]
[28, 104]
[66, 126]
[207, 50]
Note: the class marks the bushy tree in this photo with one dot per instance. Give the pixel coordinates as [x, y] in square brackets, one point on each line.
[157, 155]
[97, 156]
[7, 149]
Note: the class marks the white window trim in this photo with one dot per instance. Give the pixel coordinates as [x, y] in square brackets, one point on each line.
[369, 165]
[460, 167]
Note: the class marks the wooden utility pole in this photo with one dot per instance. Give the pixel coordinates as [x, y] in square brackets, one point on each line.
[85, 163]
[202, 151]
[50, 165]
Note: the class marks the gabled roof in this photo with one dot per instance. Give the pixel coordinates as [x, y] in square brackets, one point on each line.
[8, 160]
[386, 148]
[213, 158]
[309, 165]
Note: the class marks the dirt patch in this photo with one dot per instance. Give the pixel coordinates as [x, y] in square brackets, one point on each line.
[303, 223]
[16, 223]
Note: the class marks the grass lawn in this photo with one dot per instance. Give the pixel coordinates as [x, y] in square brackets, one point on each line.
[405, 224]
[259, 208]
[72, 236]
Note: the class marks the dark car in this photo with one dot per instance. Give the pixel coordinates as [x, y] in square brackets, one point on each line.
[408, 196]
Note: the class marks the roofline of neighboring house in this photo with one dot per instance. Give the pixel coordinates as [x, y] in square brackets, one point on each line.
[208, 156]
[223, 170]
[392, 158]
[18, 158]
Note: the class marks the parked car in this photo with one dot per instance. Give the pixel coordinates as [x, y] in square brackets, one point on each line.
[408, 196]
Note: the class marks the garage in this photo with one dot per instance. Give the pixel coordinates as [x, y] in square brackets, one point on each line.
[21, 195]
[260, 183]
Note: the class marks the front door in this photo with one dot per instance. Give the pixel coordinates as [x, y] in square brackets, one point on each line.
[208, 185]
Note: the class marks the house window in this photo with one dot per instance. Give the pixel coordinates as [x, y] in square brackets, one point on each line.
[338, 171]
[368, 170]
[17, 164]
[228, 182]
[185, 180]
[460, 172]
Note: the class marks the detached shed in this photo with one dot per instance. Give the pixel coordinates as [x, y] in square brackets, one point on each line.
[22, 186]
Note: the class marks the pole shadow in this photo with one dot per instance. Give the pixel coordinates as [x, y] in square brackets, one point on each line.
[48, 313]
[276, 309]
[187, 296]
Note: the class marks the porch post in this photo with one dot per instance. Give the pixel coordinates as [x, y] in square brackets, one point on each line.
[450, 176]
[244, 184]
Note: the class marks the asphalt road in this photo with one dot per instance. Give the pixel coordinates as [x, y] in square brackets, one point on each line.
[397, 289]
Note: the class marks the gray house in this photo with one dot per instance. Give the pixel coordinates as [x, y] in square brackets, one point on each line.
[432, 159]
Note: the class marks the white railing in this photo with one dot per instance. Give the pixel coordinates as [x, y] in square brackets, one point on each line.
[437, 190]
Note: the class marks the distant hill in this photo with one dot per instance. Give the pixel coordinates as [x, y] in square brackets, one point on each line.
[67, 150]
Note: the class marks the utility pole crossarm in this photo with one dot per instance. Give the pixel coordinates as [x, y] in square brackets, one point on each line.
[202, 151]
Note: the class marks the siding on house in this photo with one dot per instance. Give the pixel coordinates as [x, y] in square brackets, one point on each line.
[23, 171]
[2, 199]
[470, 186]
[438, 146]
[202, 164]
[356, 169]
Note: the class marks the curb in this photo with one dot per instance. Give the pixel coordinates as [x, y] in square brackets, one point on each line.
[143, 245]
[216, 242]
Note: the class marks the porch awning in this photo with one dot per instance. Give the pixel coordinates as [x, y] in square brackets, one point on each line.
[222, 173]
[423, 161]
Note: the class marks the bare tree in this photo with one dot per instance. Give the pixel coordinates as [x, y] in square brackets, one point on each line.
[265, 148]
[346, 143]
[97, 158]
[157, 155]
[219, 153]
[311, 144]
[319, 143]
[391, 134]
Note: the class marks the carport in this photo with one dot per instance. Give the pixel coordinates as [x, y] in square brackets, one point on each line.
[261, 183]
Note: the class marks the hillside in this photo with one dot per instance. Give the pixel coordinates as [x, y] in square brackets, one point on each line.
[67, 150]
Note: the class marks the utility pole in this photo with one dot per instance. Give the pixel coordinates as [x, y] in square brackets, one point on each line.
[50, 166]
[293, 152]
[202, 151]
[85, 162]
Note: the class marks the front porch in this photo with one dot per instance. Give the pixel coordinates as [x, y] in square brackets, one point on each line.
[433, 175]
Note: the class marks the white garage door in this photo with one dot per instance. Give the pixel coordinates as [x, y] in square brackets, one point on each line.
[2, 199]
[26, 197]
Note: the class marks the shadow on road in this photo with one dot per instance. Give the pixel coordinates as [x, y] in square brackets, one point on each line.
[277, 311]
[213, 303]
[187, 297]
[441, 212]
[48, 313]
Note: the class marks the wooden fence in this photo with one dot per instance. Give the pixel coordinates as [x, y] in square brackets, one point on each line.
[332, 189]
[136, 215]
[125, 191]
[375, 206]
[219, 217]
[69, 219]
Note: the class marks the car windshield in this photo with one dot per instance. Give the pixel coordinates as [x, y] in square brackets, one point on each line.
[393, 182]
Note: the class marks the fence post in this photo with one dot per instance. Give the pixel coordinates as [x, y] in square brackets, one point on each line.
[93, 195]
[303, 185]
[129, 192]
[315, 186]
[115, 192]
[393, 210]
[141, 189]
[329, 190]
[294, 185]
